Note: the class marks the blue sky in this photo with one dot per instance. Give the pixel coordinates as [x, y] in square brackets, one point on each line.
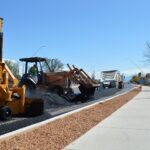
[91, 34]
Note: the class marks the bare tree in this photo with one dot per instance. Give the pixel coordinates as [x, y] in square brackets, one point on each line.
[14, 67]
[55, 65]
[93, 75]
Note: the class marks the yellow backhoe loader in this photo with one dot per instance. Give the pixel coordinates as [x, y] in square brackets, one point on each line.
[12, 98]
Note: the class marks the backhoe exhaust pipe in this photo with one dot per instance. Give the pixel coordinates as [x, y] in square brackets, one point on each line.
[1, 40]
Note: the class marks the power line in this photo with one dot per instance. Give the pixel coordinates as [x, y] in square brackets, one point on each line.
[135, 65]
[34, 54]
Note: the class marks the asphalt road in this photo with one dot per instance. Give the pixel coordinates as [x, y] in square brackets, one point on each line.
[99, 95]
[54, 110]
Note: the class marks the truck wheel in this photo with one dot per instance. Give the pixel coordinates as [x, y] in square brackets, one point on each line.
[110, 86]
[120, 85]
[104, 86]
[91, 91]
[5, 113]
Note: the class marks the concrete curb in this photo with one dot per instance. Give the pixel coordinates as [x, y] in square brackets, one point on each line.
[28, 128]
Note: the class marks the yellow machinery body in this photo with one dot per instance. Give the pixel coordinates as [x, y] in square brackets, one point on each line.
[12, 97]
[10, 94]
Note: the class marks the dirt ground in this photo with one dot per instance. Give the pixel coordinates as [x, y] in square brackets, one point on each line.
[59, 133]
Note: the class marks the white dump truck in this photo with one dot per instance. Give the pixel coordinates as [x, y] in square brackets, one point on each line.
[112, 78]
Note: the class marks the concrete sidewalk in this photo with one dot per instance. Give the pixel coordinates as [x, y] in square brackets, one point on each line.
[126, 129]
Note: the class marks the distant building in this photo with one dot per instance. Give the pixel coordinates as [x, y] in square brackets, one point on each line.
[147, 79]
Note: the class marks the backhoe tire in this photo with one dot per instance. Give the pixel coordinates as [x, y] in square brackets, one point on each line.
[87, 92]
[35, 108]
[5, 113]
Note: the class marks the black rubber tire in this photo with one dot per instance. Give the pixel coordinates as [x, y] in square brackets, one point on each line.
[104, 86]
[110, 86]
[86, 92]
[5, 113]
[30, 85]
[36, 108]
[91, 91]
[120, 85]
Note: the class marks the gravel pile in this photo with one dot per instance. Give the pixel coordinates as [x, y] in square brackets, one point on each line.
[51, 98]
[59, 133]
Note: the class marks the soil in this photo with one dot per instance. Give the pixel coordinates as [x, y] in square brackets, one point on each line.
[59, 133]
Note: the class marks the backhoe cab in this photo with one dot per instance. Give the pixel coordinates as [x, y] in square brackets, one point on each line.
[29, 79]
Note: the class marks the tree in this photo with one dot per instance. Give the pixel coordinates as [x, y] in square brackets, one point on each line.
[139, 74]
[135, 79]
[93, 75]
[14, 67]
[54, 65]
